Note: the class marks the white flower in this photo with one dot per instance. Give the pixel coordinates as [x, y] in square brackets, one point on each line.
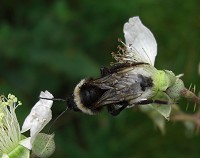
[12, 142]
[9, 127]
[39, 116]
[140, 44]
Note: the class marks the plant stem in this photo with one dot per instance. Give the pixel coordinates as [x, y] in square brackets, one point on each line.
[190, 96]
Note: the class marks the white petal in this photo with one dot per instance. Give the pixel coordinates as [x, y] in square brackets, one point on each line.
[5, 156]
[46, 102]
[142, 46]
[26, 143]
[39, 116]
[41, 121]
[27, 124]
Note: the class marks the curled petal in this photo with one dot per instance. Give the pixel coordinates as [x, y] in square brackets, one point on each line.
[27, 124]
[26, 143]
[5, 156]
[39, 116]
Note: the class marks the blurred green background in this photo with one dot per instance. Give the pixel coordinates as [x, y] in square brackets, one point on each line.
[51, 45]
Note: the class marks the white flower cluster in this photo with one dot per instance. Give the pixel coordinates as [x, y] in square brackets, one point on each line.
[10, 134]
[9, 126]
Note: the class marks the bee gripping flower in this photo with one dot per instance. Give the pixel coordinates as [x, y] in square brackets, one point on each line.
[39, 116]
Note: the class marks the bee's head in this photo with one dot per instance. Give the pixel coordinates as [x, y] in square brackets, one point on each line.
[69, 101]
[71, 104]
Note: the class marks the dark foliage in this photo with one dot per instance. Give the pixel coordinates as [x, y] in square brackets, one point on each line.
[53, 44]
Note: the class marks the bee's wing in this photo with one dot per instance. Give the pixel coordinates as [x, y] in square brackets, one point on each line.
[116, 96]
[141, 44]
[120, 87]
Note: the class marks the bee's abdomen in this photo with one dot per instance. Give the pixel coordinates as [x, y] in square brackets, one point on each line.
[145, 82]
[90, 94]
[85, 96]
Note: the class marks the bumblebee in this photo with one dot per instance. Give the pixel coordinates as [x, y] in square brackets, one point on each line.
[132, 80]
[119, 86]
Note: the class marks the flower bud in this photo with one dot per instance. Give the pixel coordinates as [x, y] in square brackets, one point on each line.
[174, 92]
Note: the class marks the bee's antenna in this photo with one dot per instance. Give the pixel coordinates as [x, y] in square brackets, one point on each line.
[56, 99]
[57, 119]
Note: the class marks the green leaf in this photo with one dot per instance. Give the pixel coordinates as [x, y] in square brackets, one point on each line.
[164, 110]
[158, 119]
[44, 145]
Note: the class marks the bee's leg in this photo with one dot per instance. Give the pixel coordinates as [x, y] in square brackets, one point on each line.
[114, 111]
[104, 71]
[150, 101]
[112, 69]
[109, 70]
[117, 67]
